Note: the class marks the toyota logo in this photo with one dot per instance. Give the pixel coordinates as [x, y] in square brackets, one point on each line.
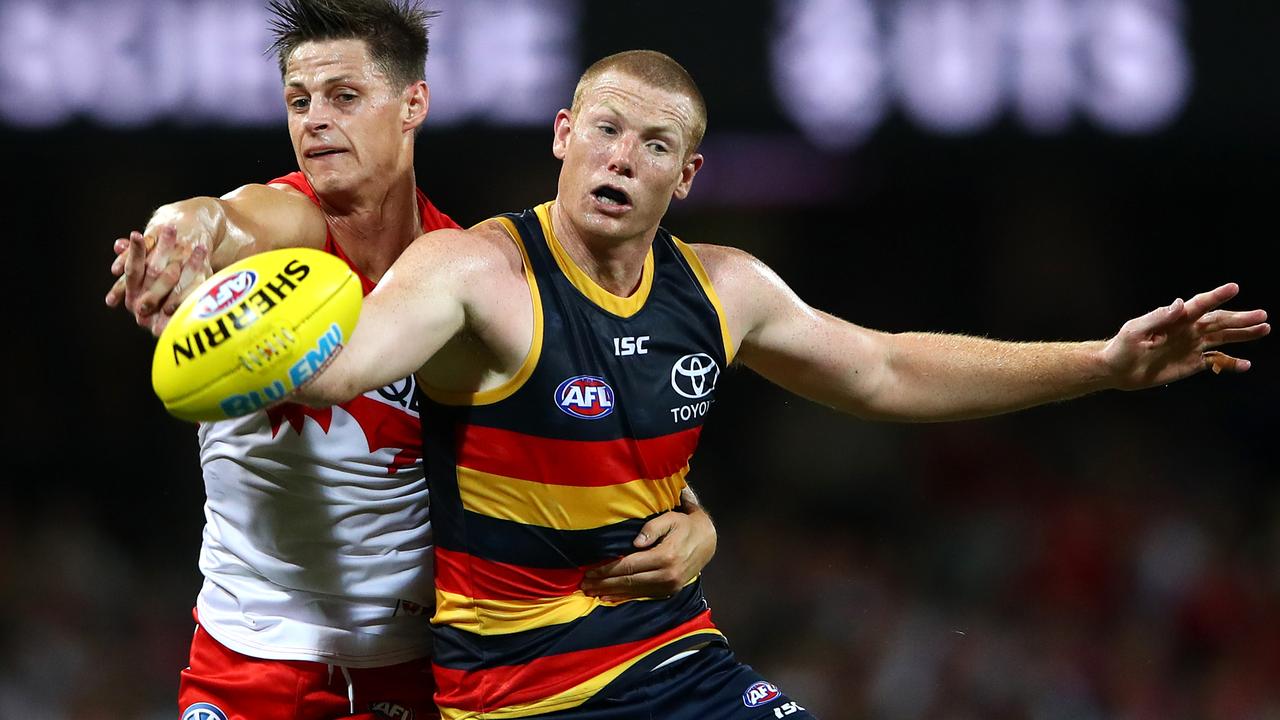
[694, 376]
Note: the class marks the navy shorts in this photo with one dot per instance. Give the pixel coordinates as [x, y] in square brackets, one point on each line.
[708, 685]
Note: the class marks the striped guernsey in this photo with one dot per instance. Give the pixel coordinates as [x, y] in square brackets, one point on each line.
[536, 482]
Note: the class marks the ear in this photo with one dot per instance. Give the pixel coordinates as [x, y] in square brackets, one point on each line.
[561, 129]
[691, 168]
[414, 105]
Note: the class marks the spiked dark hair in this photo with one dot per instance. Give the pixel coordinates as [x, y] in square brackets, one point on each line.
[394, 31]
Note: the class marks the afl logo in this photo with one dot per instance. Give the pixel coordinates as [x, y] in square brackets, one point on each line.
[694, 376]
[203, 711]
[760, 693]
[585, 396]
[229, 291]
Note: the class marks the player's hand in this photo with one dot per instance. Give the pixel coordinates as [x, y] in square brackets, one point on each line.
[673, 549]
[156, 271]
[1178, 340]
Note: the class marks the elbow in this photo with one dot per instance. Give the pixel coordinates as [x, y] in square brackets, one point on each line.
[324, 390]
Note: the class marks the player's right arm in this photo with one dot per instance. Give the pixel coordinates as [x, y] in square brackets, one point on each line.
[186, 241]
[420, 304]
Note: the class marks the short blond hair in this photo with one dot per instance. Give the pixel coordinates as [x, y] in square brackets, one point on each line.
[652, 68]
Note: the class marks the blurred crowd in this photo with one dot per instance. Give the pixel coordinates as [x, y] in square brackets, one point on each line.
[969, 571]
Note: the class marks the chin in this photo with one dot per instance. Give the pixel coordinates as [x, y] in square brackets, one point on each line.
[330, 183]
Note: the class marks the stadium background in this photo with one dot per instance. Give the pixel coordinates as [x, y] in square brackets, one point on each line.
[1115, 557]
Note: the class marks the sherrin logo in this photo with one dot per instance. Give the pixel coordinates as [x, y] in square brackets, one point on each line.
[585, 396]
[236, 305]
[760, 693]
[226, 293]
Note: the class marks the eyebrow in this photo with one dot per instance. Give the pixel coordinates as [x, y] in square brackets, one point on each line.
[335, 80]
[668, 128]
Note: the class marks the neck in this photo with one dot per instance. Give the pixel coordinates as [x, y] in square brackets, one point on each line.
[615, 265]
[375, 227]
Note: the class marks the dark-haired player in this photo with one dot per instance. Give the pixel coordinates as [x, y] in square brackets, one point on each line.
[317, 548]
[542, 464]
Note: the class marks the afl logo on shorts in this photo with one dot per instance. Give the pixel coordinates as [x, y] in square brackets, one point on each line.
[758, 694]
[585, 396]
[225, 294]
[203, 711]
[694, 376]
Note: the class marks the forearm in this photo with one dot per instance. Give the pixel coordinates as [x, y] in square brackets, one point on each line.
[932, 377]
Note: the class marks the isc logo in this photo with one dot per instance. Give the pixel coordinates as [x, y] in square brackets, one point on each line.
[585, 396]
[225, 294]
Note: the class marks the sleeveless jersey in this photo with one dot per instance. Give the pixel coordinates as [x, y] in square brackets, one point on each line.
[317, 542]
[537, 481]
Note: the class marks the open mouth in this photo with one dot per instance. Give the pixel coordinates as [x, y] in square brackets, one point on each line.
[611, 196]
[324, 152]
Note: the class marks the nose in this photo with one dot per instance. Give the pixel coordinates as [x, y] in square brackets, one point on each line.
[621, 157]
[317, 119]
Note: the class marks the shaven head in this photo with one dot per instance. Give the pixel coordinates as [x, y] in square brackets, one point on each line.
[393, 31]
[655, 69]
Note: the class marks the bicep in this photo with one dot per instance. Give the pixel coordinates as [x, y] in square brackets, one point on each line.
[259, 218]
[809, 352]
[412, 313]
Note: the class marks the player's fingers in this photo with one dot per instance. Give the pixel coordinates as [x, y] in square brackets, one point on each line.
[193, 273]
[158, 322]
[116, 293]
[654, 583]
[1203, 302]
[1227, 319]
[1236, 335]
[135, 270]
[166, 242]
[613, 568]
[120, 245]
[1221, 362]
[160, 288]
[1157, 319]
[655, 530]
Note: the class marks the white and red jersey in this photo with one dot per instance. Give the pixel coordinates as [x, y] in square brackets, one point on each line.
[317, 543]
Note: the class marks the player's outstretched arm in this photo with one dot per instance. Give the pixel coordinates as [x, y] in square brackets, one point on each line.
[933, 376]
[672, 549]
[417, 307]
[186, 241]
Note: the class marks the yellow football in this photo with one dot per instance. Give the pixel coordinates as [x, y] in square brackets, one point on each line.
[254, 332]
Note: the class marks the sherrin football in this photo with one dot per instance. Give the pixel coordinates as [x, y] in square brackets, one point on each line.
[254, 332]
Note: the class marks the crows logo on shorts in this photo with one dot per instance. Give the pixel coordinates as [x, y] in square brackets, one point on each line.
[585, 396]
[203, 711]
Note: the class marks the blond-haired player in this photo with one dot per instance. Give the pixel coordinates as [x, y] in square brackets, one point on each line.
[549, 425]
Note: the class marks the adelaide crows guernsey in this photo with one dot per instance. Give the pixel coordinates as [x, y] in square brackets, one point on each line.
[535, 482]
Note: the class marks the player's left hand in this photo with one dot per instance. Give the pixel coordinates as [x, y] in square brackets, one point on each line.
[1178, 340]
[679, 544]
[155, 272]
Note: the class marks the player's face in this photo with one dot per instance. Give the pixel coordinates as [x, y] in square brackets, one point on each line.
[625, 155]
[346, 119]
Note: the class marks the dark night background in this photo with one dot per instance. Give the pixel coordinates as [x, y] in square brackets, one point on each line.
[1113, 557]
